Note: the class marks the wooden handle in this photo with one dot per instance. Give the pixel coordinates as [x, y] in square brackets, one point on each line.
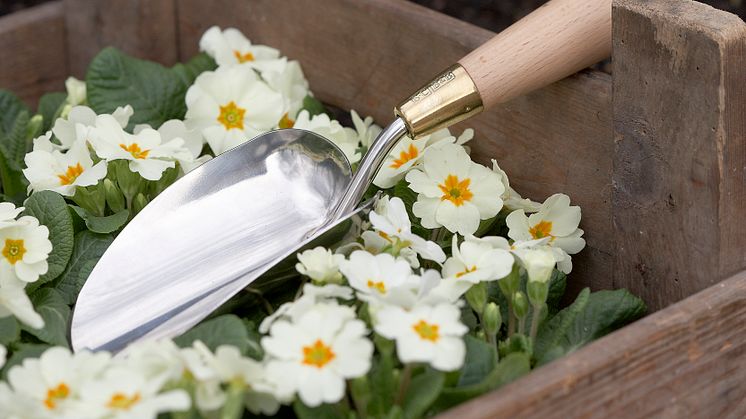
[555, 41]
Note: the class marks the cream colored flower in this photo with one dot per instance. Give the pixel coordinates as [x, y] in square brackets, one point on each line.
[366, 130]
[313, 356]
[320, 264]
[63, 172]
[8, 214]
[15, 302]
[512, 200]
[476, 262]
[232, 105]
[192, 138]
[24, 248]
[76, 91]
[145, 151]
[375, 277]
[231, 47]
[539, 263]
[344, 138]
[76, 127]
[287, 78]
[453, 191]
[311, 296]
[432, 334]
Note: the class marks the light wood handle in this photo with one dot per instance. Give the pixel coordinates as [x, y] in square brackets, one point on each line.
[555, 41]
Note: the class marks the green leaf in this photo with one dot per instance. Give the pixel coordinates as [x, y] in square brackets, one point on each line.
[481, 358]
[423, 391]
[510, 368]
[51, 210]
[383, 384]
[254, 347]
[13, 145]
[313, 106]
[557, 285]
[56, 314]
[50, 107]
[223, 330]
[10, 107]
[602, 313]
[10, 330]
[23, 351]
[189, 71]
[107, 224]
[88, 249]
[155, 92]
[325, 411]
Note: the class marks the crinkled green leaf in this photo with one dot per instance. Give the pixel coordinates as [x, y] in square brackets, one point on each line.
[51, 210]
[591, 316]
[107, 224]
[481, 358]
[223, 330]
[13, 145]
[508, 369]
[189, 71]
[557, 285]
[423, 391]
[50, 107]
[10, 107]
[313, 106]
[56, 314]
[23, 351]
[383, 385]
[155, 92]
[10, 330]
[89, 247]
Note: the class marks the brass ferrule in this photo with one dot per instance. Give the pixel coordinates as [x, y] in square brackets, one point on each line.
[449, 98]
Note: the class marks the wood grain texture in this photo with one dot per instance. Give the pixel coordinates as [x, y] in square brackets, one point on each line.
[679, 202]
[33, 50]
[369, 55]
[554, 41]
[143, 28]
[685, 361]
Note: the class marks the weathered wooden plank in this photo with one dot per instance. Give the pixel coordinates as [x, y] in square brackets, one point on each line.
[685, 361]
[33, 51]
[143, 28]
[679, 199]
[369, 55]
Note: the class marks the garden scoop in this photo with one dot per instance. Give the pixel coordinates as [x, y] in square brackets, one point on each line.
[219, 228]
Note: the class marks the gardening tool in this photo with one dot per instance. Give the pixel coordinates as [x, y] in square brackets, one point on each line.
[223, 225]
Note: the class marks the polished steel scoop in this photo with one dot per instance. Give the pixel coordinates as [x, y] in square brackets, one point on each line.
[219, 228]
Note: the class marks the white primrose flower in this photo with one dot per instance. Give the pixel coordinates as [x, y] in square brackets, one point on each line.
[432, 334]
[287, 78]
[63, 172]
[25, 248]
[8, 214]
[555, 220]
[15, 302]
[407, 153]
[311, 295]
[314, 355]
[232, 368]
[391, 222]
[122, 393]
[344, 138]
[512, 200]
[231, 47]
[76, 91]
[52, 382]
[77, 125]
[539, 263]
[378, 278]
[12, 405]
[146, 152]
[366, 130]
[192, 138]
[320, 264]
[453, 191]
[232, 105]
[476, 261]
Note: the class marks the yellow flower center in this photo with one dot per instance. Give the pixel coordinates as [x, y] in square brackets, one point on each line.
[231, 116]
[385, 236]
[456, 191]
[378, 286]
[122, 401]
[466, 271]
[243, 58]
[56, 394]
[286, 122]
[427, 331]
[14, 250]
[135, 150]
[405, 156]
[70, 174]
[317, 354]
[541, 230]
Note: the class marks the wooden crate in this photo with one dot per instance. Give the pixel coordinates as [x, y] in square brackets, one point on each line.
[658, 167]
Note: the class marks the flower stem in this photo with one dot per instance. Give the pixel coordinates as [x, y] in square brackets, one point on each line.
[511, 318]
[535, 321]
[406, 379]
[267, 306]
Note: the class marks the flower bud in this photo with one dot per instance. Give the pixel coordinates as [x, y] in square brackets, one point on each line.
[114, 197]
[510, 283]
[520, 305]
[139, 203]
[477, 297]
[537, 292]
[539, 264]
[492, 318]
[34, 127]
